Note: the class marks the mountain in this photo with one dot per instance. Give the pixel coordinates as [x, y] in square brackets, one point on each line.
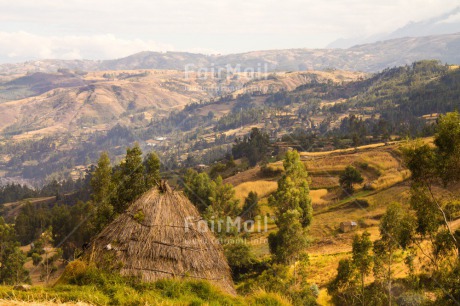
[370, 57]
[46, 103]
[63, 130]
[446, 23]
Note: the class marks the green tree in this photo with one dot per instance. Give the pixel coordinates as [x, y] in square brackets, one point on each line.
[240, 258]
[430, 167]
[222, 199]
[130, 179]
[293, 192]
[290, 240]
[344, 287]
[101, 180]
[397, 228]
[152, 170]
[349, 177]
[14, 266]
[72, 228]
[12, 259]
[103, 191]
[213, 198]
[251, 206]
[362, 258]
[255, 147]
[447, 141]
[349, 284]
[198, 187]
[31, 222]
[50, 255]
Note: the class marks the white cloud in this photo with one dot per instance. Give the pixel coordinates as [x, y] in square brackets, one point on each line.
[455, 18]
[79, 27]
[22, 45]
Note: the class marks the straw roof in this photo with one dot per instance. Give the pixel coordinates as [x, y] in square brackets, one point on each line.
[152, 240]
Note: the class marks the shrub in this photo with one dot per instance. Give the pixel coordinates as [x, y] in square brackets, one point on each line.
[74, 273]
[264, 298]
[362, 165]
[36, 259]
[362, 223]
[410, 299]
[359, 203]
[271, 170]
[314, 290]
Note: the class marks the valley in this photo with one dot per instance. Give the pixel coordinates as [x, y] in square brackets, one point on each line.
[224, 141]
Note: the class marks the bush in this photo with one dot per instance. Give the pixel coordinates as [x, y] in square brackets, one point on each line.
[240, 258]
[410, 299]
[74, 273]
[268, 299]
[271, 170]
[302, 297]
[362, 165]
[362, 223]
[36, 259]
[359, 203]
[314, 290]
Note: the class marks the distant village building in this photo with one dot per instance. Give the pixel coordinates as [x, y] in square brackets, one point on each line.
[348, 226]
[201, 167]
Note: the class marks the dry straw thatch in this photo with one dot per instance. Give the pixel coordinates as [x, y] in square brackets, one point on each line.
[152, 240]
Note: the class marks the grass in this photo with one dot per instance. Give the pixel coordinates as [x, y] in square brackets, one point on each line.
[83, 284]
[324, 298]
[324, 267]
[262, 187]
[58, 294]
[390, 178]
[382, 169]
[316, 196]
[333, 163]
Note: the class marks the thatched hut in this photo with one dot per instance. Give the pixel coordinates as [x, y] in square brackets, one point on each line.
[159, 236]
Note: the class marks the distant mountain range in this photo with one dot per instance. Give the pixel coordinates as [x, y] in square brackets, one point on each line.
[446, 23]
[371, 57]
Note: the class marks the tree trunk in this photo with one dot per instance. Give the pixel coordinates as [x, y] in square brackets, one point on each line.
[389, 278]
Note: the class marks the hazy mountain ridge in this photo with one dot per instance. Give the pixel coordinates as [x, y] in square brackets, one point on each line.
[446, 23]
[371, 57]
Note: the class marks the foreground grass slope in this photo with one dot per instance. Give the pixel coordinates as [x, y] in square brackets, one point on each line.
[93, 287]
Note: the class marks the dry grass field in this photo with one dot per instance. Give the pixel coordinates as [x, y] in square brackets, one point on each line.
[382, 168]
[263, 189]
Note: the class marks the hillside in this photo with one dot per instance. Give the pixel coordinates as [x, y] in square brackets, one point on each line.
[370, 57]
[195, 120]
[386, 180]
[68, 103]
[114, 108]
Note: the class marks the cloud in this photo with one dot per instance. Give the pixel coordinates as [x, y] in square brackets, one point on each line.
[455, 18]
[60, 29]
[17, 46]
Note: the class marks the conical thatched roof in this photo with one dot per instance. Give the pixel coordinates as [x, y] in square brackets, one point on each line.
[151, 240]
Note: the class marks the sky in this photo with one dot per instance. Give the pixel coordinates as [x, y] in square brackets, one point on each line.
[107, 29]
